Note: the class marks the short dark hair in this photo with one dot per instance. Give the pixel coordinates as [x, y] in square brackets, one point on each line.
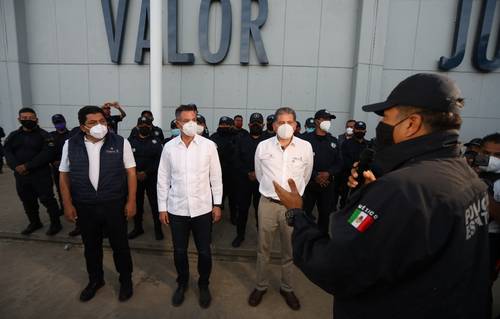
[237, 116]
[350, 121]
[86, 110]
[436, 121]
[285, 110]
[26, 110]
[146, 111]
[185, 108]
[492, 138]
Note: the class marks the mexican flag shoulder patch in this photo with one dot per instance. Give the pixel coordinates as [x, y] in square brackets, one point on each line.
[362, 218]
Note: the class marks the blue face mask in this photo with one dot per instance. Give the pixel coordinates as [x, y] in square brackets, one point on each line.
[310, 129]
[175, 132]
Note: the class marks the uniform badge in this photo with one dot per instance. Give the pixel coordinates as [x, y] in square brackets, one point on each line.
[154, 141]
[157, 133]
[133, 150]
[362, 218]
[333, 145]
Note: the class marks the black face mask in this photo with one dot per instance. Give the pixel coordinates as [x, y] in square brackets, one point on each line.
[385, 134]
[28, 124]
[359, 135]
[255, 129]
[145, 131]
[224, 130]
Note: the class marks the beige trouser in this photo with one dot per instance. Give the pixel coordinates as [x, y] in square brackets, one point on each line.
[272, 219]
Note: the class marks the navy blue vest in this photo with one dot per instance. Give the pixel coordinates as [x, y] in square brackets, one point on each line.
[112, 174]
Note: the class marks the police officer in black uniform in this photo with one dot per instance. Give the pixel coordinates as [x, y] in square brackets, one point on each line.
[147, 150]
[297, 129]
[156, 131]
[29, 150]
[319, 191]
[113, 120]
[269, 132]
[174, 131]
[226, 140]
[413, 242]
[60, 135]
[351, 151]
[248, 186]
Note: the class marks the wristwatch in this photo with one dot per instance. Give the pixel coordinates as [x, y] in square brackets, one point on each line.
[290, 215]
[217, 205]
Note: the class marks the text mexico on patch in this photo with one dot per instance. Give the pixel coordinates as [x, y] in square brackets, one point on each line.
[362, 218]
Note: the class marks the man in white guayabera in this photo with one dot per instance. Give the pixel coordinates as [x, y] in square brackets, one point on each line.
[278, 159]
[189, 198]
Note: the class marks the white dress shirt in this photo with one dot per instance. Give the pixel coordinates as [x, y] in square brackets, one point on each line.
[94, 154]
[189, 177]
[272, 163]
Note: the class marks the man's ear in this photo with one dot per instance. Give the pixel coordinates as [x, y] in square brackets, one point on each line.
[415, 124]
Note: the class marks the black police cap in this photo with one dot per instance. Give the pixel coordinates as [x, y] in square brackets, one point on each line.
[256, 118]
[309, 123]
[200, 119]
[360, 125]
[428, 91]
[58, 118]
[474, 142]
[144, 120]
[173, 125]
[270, 118]
[324, 114]
[226, 120]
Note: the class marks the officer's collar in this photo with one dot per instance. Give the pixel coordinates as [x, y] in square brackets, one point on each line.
[435, 145]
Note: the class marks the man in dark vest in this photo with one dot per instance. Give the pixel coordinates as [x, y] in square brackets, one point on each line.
[98, 184]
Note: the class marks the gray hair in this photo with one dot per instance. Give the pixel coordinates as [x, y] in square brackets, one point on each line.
[285, 110]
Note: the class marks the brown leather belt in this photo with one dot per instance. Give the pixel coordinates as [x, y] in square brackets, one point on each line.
[274, 200]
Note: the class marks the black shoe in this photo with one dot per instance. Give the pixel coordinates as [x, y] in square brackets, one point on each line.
[135, 233]
[126, 291]
[178, 297]
[89, 291]
[291, 300]
[53, 229]
[256, 297]
[237, 241]
[75, 232]
[205, 297]
[32, 227]
[158, 234]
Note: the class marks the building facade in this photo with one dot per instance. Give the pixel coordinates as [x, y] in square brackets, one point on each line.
[56, 55]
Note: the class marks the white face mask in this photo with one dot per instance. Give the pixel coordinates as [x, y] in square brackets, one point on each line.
[190, 128]
[199, 129]
[325, 125]
[99, 131]
[349, 131]
[285, 131]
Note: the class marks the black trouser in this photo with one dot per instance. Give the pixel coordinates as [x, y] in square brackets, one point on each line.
[201, 226]
[55, 176]
[494, 239]
[37, 186]
[341, 190]
[92, 219]
[147, 186]
[323, 198]
[248, 192]
[229, 191]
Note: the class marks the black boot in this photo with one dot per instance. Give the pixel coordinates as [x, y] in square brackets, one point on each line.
[75, 232]
[126, 290]
[55, 225]
[137, 231]
[89, 291]
[178, 297]
[34, 224]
